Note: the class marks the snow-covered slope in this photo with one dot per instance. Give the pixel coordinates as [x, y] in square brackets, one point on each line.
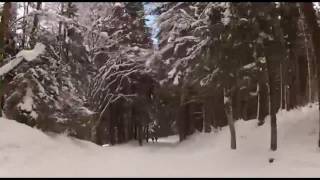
[27, 152]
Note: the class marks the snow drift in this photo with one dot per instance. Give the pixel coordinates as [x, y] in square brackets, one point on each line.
[28, 152]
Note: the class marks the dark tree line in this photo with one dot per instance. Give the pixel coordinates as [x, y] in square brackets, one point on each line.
[259, 60]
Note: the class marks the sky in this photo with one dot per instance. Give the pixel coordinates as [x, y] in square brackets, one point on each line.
[151, 21]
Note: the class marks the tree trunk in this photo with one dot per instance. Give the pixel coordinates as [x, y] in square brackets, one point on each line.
[181, 114]
[60, 22]
[275, 52]
[191, 115]
[219, 110]
[25, 12]
[111, 132]
[135, 131]
[208, 115]
[294, 82]
[120, 133]
[237, 105]
[215, 112]
[67, 27]
[140, 134]
[311, 20]
[308, 61]
[131, 124]
[290, 25]
[100, 132]
[34, 27]
[4, 27]
[262, 98]
[111, 124]
[60, 36]
[271, 64]
[228, 111]
[281, 87]
[285, 84]
[146, 132]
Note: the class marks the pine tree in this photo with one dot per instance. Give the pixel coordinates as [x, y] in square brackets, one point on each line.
[120, 78]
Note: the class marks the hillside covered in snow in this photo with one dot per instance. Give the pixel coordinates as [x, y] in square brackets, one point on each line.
[28, 152]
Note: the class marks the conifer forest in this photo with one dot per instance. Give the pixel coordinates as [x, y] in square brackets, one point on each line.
[159, 89]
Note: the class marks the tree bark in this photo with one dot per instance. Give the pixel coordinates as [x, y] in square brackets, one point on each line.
[271, 63]
[208, 115]
[281, 87]
[228, 111]
[305, 37]
[34, 27]
[191, 118]
[60, 22]
[25, 12]
[4, 27]
[140, 134]
[66, 27]
[181, 114]
[258, 101]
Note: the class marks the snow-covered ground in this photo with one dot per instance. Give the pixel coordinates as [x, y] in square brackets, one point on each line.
[28, 152]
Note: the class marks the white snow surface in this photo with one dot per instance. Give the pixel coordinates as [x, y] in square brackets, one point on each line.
[27, 101]
[28, 152]
[28, 55]
[10, 65]
[27, 104]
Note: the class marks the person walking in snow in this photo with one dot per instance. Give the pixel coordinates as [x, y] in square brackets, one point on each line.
[154, 128]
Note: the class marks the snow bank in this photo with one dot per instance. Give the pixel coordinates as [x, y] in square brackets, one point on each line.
[27, 104]
[27, 101]
[27, 152]
[10, 65]
[28, 55]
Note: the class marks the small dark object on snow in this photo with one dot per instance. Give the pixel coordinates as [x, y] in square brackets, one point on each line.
[260, 123]
[271, 160]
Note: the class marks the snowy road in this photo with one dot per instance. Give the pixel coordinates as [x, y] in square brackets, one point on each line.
[27, 152]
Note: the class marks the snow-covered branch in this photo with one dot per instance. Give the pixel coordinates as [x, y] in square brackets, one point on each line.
[28, 55]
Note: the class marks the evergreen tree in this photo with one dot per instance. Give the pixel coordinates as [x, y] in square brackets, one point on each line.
[122, 76]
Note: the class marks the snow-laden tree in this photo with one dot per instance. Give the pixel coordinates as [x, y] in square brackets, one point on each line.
[49, 93]
[186, 32]
[122, 78]
[208, 44]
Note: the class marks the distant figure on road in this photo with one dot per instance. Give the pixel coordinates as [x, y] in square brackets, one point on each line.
[153, 131]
